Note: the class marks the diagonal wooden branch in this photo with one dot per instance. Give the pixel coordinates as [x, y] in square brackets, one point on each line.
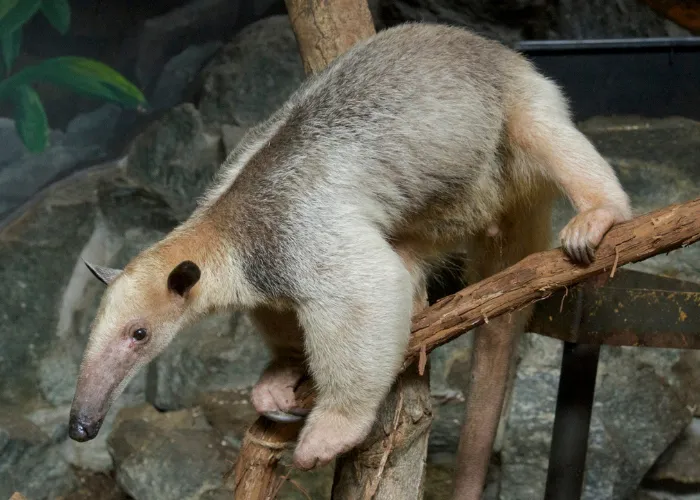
[538, 275]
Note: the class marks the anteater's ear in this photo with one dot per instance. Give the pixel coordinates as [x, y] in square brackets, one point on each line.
[105, 274]
[185, 275]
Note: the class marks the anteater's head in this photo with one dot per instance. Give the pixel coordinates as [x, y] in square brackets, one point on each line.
[142, 309]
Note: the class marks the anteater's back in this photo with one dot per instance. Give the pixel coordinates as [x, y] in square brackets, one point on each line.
[402, 127]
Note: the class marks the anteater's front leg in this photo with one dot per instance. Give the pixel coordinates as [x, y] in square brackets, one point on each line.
[356, 333]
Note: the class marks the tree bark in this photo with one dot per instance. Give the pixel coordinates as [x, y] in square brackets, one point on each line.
[391, 463]
[325, 29]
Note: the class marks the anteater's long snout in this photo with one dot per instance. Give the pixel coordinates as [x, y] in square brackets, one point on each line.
[81, 428]
[98, 385]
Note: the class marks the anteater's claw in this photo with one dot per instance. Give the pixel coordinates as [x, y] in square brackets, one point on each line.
[282, 417]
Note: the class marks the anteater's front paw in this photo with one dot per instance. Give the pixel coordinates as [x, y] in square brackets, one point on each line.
[327, 435]
[582, 235]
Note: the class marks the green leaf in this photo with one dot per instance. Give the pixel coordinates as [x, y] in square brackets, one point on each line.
[58, 14]
[6, 6]
[30, 119]
[86, 76]
[18, 15]
[10, 48]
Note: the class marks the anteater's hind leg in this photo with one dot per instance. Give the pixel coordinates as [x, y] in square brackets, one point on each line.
[521, 232]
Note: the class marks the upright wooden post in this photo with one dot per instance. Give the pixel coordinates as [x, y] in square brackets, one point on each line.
[390, 464]
[324, 29]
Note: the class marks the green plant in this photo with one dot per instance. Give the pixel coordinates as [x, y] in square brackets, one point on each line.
[79, 74]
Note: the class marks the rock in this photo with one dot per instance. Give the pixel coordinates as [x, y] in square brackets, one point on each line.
[86, 141]
[29, 461]
[12, 146]
[194, 23]
[579, 19]
[640, 411]
[167, 455]
[178, 73]
[94, 129]
[231, 135]
[680, 462]
[229, 412]
[96, 485]
[176, 159]
[635, 417]
[24, 177]
[219, 352]
[217, 494]
[253, 75]
[512, 21]
[37, 258]
[503, 21]
[680, 368]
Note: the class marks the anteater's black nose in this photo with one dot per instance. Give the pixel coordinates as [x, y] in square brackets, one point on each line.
[79, 429]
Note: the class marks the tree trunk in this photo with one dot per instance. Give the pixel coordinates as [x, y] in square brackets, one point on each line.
[325, 29]
[391, 463]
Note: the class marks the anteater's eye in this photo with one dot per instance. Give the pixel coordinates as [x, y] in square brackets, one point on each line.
[139, 334]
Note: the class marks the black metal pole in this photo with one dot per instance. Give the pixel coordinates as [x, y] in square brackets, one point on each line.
[567, 456]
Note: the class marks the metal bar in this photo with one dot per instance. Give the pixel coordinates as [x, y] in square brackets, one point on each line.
[567, 458]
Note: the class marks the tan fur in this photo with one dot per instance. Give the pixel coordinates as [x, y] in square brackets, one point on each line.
[418, 144]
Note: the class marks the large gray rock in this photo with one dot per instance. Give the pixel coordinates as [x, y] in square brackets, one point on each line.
[93, 129]
[22, 173]
[253, 75]
[192, 23]
[96, 486]
[12, 146]
[219, 352]
[176, 159]
[168, 455]
[179, 73]
[640, 412]
[37, 259]
[636, 416]
[679, 463]
[198, 21]
[30, 461]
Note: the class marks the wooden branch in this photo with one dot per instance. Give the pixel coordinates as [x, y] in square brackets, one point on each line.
[538, 275]
[325, 29]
